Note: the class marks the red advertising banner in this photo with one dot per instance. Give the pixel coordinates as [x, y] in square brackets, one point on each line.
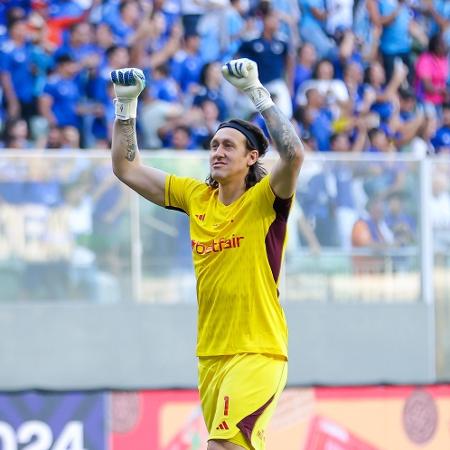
[352, 418]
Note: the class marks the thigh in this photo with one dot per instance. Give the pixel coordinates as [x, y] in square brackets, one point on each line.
[239, 396]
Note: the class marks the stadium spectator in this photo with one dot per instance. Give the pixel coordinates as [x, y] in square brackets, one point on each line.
[16, 135]
[439, 12]
[318, 118]
[204, 127]
[401, 223]
[334, 90]
[110, 207]
[126, 21]
[371, 233]
[42, 53]
[163, 86]
[59, 17]
[180, 138]
[386, 176]
[410, 118]
[79, 46]
[345, 174]
[318, 202]
[54, 138]
[210, 28]
[150, 47]
[386, 93]
[361, 97]
[170, 9]
[62, 95]
[304, 65]
[313, 27]
[422, 144]
[232, 29]
[16, 72]
[441, 141]
[157, 114]
[289, 14]
[187, 64]
[191, 13]
[395, 18]
[432, 73]
[103, 40]
[274, 59]
[211, 88]
[367, 33]
[65, 102]
[380, 140]
[339, 16]
[300, 235]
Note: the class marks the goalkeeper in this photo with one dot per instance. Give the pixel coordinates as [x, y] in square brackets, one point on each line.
[238, 231]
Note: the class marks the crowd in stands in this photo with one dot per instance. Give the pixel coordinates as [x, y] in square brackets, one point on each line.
[374, 72]
[354, 76]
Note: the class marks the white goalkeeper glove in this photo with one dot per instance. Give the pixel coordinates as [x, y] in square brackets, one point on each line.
[243, 74]
[128, 84]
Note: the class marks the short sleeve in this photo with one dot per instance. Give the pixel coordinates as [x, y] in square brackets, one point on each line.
[49, 89]
[178, 192]
[266, 201]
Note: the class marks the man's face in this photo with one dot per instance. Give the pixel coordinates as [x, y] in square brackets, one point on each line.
[342, 144]
[407, 104]
[315, 98]
[229, 159]
[69, 69]
[82, 34]
[271, 22]
[181, 139]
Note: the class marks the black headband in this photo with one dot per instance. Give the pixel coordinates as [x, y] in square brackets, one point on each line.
[247, 133]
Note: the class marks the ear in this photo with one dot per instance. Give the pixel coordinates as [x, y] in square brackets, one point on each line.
[252, 157]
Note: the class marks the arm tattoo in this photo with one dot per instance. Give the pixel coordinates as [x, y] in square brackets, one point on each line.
[128, 138]
[282, 132]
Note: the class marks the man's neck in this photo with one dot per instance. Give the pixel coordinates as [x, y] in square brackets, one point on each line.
[230, 192]
[268, 35]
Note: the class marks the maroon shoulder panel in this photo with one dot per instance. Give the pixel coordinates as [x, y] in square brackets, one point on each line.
[276, 235]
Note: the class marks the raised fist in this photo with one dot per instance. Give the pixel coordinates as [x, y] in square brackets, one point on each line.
[242, 73]
[128, 84]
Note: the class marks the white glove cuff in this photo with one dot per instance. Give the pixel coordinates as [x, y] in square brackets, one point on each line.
[125, 108]
[260, 97]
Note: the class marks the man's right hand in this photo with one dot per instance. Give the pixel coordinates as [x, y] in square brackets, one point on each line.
[243, 74]
[128, 84]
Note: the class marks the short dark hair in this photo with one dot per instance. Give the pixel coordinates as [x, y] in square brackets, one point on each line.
[373, 132]
[64, 58]
[256, 172]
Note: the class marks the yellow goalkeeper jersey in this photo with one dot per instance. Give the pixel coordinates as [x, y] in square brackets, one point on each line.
[237, 252]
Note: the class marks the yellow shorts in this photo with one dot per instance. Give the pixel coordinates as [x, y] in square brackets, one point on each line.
[239, 394]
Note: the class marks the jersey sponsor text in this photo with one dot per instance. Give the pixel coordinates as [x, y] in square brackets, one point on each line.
[216, 245]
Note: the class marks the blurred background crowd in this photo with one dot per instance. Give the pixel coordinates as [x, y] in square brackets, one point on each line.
[354, 75]
[365, 83]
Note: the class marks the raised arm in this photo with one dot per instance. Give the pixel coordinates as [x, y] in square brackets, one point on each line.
[127, 166]
[243, 74]
[283, 178]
